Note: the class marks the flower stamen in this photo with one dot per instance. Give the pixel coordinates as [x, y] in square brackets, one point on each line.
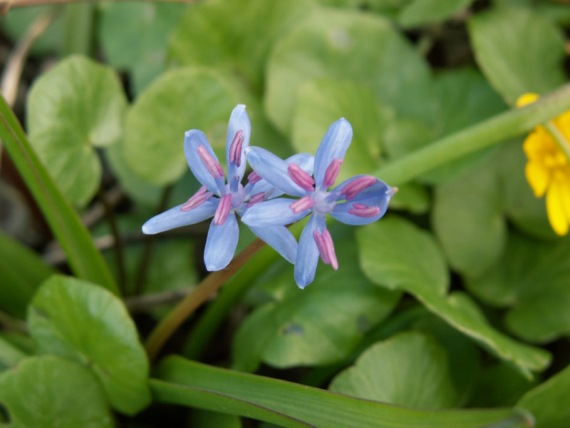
[355, 187]
[362, 210]
[325, 246]
[332, 173]
[253, 177]
[236, 148]
[300, 177]
[211, 164]
[305, 203]
[201, 196]
[258, 197]
[223, 209]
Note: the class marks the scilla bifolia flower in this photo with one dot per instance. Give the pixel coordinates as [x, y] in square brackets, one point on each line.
[548, 168]
[223, 200]
[359, 200]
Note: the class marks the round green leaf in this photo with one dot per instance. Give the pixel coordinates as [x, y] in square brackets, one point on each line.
[395, 253]
[179, 100]
[297, 329]
[399, 255]
[73, 318]
[421, 12]
[518, 50]
[142, 53]
[468, 220]
[210, 35]
[72, 108]
[410, 369]
[347, 46]
[51, 391]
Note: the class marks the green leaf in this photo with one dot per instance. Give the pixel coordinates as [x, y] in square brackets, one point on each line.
[78, 320]
[291, 405]
[468, 220]
[391, 372]
[72, 108]
[210, 35]
[10, 355]
[296, 328]
[548, 402]
[422, 12]
[84, 259]
[51, 391]
[347, 46]
[398, 255]
[21, 271]
[179, 100]
[513, 386]
[320, 102]
[530, 279]
[409, 259]
[518, 50]
[142, 53]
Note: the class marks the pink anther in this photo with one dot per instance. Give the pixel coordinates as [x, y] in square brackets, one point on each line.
[362, 210]
[332, 172]
[236, 148]
[325, 246]
[223, 209]
[305, 203]
[201, 196]
[253, 177]
[355, 187]
[258, 197]
[300, 177]
[211, 164]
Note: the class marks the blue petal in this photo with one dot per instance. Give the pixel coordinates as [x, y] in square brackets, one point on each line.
[239, 121]
[272, 213]
[333, 146]
[280, 238]
[221, 243]
[308, 253]
[377, 195]
[274, 170]
[174, 218]
[305, 161]
[192, 140]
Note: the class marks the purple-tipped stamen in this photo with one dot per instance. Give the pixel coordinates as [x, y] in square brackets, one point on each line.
[300, 177]
[332, 173]
[211, 164]
[253, 177]
[362, 210]
[223, 209]
[235, 148]
[325, 246]
[258, 197]
[354, 188]
[201, 196]
[305, 203]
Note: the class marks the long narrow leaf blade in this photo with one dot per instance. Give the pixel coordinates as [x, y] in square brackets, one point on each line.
[85, 260]
[291, 405]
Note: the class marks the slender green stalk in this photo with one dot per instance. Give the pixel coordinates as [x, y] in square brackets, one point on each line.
[487, 133]
[205, 290]
[118, 244]
[78, 28]
[85, 260]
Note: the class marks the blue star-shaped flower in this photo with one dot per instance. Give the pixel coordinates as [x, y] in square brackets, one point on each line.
[359, 200]
[223, 200]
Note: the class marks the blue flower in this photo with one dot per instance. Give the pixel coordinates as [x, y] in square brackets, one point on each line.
[223, 200]
[359, 200]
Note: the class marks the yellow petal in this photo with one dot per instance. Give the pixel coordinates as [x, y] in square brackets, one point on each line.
[526, 99]
[556, 203]
[537, 177]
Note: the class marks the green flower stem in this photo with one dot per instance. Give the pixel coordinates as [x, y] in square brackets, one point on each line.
[205, 290]
[216, 312]
[559, 138]
[487, 133]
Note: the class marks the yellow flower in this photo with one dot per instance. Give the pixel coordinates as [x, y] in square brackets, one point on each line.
[548, 169]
